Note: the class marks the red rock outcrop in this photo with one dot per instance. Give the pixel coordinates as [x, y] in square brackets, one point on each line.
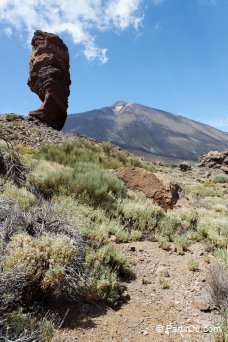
[49, 78]
[162, 191]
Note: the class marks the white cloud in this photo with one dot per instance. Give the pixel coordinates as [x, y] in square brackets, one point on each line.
[77, 18]
[8, 31]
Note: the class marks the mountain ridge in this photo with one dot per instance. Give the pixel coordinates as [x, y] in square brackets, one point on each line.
[147, 131]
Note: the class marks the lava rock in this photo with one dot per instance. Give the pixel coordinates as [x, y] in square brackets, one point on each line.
[49, 78]
[214, 161]
[164, 192]
[185, 166]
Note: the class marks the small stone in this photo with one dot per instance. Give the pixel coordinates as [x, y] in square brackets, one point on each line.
[202, 306]
[145, 333]
[125, 296]
[146, 281]
[132, 248]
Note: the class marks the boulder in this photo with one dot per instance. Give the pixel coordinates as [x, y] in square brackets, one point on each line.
[185, 166]
[49, 78]
[164, 192]
[214, 161]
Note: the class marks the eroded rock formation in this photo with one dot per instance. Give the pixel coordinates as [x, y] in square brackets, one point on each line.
[215, 161]
[162, 191]
[49, 78]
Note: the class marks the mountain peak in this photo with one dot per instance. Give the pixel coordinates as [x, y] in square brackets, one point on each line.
[148, 132]
[117, 106]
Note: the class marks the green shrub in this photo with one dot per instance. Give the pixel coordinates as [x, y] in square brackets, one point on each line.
[213, 229]
[181, 244]
[11, 117]
[51, 178]
[96, 184]
[86, 181]
[164, 283]
[163, 242]
[105, 268]
[219, 332]
[169, 224]
[201, 190]
[44, 260]
[222, 257]
[140, 213]
[104, 155]
[22, 326]
[24, 198]
[220, 179]
[193, 265]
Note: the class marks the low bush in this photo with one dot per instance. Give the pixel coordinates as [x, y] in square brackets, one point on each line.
[50, 262]
[181, 244]
[21, 326]
[163, 242]
[97, 185]
[12, 117]
[218, 289]
[220, 179]
[22, 196]
[140, 213]
[201, 191]
[164, 283]
[86, 181]
[104, 155]
[193, 265]
[105, 268]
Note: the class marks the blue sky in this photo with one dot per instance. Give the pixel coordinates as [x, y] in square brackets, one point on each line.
[166, 54]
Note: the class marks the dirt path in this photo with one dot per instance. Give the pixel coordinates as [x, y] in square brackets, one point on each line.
[149, 306]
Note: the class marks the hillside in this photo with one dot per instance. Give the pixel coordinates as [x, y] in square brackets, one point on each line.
[148, 132]
[97, 244]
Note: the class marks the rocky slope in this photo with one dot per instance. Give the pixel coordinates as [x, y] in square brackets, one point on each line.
[148, 132]
[171, 256]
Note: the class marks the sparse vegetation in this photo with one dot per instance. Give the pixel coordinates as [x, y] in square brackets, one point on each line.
[220, 178]
[59, 221]
[193, 265]
[11, 117]
[104, 155]
[164, 283]
[105, 267]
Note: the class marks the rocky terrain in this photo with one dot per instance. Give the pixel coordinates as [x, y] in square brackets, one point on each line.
[151, 313]
[24, 132]
[49, 78]
[214, 162]
[150, 133]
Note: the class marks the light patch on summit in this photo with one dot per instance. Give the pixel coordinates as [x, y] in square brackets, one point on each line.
[118, 108]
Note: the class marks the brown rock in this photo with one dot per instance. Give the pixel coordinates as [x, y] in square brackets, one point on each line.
[202, 306]
[162, 191]
[224, 168]
[185, 166]
[215, 162]
[49, 78]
